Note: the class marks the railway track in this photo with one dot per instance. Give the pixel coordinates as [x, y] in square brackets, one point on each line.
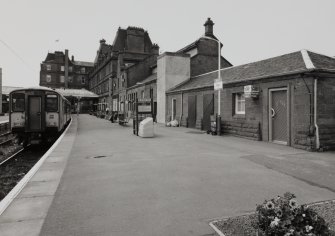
[14, 168]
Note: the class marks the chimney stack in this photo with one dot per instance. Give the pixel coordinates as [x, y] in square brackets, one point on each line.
[72, 58]
[209, 27]
[66, 79]
[102, 41]
[155, 49]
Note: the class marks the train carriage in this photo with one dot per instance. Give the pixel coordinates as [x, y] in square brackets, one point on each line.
[38, 114]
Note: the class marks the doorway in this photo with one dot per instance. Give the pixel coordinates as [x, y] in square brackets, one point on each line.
[35, 117]
[278, 116]
[192, 111]
[208, 110]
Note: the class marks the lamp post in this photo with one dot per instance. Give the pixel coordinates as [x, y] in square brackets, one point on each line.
[218, 84]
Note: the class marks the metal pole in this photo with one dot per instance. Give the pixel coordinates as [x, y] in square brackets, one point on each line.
[218, 122]
[219, 77]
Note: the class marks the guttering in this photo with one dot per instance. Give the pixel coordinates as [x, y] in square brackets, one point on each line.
[317, 137]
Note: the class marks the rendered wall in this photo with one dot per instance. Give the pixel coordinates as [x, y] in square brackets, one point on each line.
[172, 69]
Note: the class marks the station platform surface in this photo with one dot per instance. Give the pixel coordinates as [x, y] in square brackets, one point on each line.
[103, 180]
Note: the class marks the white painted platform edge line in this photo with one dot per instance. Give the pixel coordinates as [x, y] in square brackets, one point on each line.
[211, 224]
[18, 188]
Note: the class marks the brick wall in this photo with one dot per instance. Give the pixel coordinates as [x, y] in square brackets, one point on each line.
[255, 123]
[326, 112]
[182, 113]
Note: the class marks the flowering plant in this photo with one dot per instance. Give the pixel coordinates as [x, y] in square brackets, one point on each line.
[282, 216]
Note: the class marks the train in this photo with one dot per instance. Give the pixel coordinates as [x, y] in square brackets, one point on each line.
[38, 115]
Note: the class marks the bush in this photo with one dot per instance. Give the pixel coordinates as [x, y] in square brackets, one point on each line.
[282, 216]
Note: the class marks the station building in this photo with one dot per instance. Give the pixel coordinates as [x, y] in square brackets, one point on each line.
[120, 66]
[172, 68]
[288, 99]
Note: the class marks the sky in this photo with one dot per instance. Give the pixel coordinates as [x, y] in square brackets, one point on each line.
[249, 30]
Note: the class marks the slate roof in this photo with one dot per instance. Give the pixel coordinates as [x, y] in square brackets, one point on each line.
[295, 62]
[83, 63]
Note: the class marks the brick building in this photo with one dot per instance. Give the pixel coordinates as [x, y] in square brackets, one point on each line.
[173, 68]
[287, 99]
[58, 71]
[111, 74]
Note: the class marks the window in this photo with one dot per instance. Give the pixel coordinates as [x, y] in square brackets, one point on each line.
[48, 67]
[70, 79]
[18, 102]
[48, 78]
[83, 80]
[82, 70]
[142, 93]
[62, 78]
[239, 104]
[51, 103]
[62, 68]
[70, 68]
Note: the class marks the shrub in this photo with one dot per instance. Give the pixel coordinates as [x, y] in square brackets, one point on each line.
[282, 216]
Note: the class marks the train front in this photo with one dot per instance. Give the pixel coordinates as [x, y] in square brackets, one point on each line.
[34, 115]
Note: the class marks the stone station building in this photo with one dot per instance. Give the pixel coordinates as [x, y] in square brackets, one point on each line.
[292, 100]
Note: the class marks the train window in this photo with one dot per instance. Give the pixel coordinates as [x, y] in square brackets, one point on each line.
[51, 103]
[18, 102]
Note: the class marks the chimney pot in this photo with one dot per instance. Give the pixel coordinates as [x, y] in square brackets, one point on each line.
[209, 27]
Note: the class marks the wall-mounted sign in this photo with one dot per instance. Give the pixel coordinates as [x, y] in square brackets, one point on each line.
[251, 91]
[218, 84]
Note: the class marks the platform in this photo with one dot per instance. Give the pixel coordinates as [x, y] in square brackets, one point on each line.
[110, 182]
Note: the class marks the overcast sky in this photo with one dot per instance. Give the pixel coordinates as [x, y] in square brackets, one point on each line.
[249, 30]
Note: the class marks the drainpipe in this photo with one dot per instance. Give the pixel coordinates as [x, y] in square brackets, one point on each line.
[181, 109]
[317, 138]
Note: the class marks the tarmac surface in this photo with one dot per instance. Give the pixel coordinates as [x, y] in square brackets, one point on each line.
[172, 184]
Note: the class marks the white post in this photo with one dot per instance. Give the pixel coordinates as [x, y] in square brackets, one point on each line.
[219, 77]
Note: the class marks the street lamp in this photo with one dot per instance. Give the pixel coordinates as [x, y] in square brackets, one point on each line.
[218, 83]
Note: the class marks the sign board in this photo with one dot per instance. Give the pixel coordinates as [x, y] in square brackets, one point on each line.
[144, 108]
[218, 84]
[251, 91]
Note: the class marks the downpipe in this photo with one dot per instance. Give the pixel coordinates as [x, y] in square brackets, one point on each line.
[317, 137]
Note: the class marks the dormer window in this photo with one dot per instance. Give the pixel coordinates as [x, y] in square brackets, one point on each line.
[48, 67]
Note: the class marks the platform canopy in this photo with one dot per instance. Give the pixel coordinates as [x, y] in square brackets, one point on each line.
[78, 93]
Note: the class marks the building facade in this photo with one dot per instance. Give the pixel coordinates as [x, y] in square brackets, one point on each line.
[120, 66]
[58, 71]
[286, 100]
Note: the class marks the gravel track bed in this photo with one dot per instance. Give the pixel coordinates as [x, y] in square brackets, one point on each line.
[15, 169]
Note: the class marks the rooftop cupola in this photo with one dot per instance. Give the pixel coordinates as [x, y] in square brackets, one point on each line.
[209, 27]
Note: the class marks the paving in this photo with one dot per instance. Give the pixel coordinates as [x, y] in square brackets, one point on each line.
[116, 183]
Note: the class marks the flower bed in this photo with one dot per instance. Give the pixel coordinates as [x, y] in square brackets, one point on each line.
[248, 224]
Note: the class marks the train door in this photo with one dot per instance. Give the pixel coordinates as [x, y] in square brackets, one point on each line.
[34, 111]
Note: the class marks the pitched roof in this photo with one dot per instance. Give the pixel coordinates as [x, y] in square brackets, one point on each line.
[295, 62]
[84, 63]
